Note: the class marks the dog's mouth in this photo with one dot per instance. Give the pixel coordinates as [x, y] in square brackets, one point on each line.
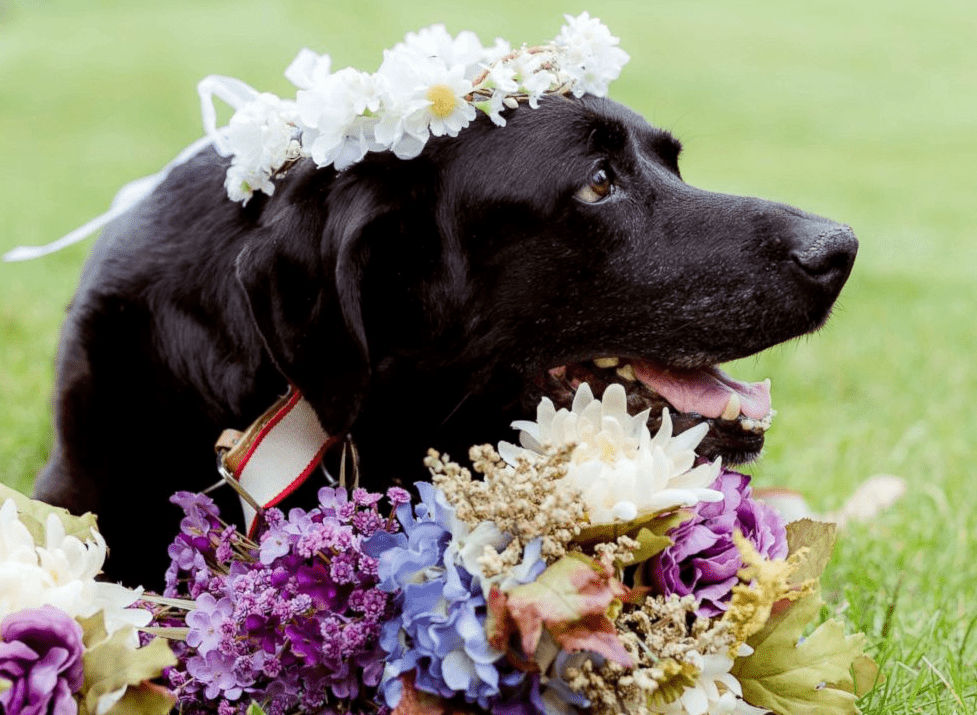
[738, 413]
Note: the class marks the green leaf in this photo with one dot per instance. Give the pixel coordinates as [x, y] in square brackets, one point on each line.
[144, 699]
[818, 537]
[33, 514]
[794, 676]
[571, 599]
[111, 665]
[649, 529]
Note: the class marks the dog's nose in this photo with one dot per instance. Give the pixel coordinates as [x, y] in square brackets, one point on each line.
[827, 255]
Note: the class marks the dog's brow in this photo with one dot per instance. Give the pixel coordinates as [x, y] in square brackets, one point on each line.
[606, 137]
[665, 146]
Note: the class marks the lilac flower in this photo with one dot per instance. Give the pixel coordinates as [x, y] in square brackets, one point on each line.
[40, 656]
[216, 672]
[205, 622]
[294, 622]
[703, 561]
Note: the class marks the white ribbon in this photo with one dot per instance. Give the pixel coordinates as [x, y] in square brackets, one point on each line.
[232, 91]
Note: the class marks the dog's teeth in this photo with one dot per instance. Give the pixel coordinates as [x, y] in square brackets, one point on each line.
[758, 426]
[626, 372]
[606, 362]
[732, 410]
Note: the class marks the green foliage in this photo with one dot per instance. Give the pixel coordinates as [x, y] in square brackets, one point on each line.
[863, 112]
[795, 676]
[33, 515]
[647, 529]
[787, 672]
[121, 674]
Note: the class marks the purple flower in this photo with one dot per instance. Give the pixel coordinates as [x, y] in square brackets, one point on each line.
[216, 671]
[292, 622]
[40, 656]
[206, 620]
[703, 560]
[398, 496]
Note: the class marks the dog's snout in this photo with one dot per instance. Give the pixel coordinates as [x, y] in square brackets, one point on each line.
[827, 255]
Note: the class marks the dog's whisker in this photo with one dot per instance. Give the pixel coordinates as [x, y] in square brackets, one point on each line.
[455, 409]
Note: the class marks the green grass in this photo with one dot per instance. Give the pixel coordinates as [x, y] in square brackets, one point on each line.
[865, 112]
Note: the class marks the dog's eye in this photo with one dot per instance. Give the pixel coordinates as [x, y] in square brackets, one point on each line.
[599, 187]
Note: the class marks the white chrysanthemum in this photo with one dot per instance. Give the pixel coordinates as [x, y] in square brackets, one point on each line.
[715, 692]
[590, 55]
[60, 573]
[621, 469]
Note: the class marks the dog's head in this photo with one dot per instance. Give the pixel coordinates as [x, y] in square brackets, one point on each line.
[435, 300]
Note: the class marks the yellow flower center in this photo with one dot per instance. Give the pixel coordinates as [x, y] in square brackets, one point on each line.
[442, 100]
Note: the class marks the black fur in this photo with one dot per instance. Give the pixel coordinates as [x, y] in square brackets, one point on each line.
[413, 302]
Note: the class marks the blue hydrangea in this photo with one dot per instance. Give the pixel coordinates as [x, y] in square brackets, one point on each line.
[439, 633]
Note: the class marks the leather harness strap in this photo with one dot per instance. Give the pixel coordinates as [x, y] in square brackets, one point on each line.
[275, 455]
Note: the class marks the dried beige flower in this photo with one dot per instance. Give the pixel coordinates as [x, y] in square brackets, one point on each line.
[526, 500]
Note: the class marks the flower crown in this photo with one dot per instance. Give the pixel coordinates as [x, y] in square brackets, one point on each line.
[429, 84]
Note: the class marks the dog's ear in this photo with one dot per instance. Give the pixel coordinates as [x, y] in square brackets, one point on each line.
[302, 273]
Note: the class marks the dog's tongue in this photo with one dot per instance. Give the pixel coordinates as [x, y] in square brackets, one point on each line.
[706, 391]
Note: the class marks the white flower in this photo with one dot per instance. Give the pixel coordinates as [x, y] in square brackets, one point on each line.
[715, 692]
[619, 467]
[60, 573]
[308, 69]
[261, 137]
[466, 50]
[590, 54]
[427, 93]
[467, 546]
[423, 88]
[500, 78]
[338, 115]
[533, 79]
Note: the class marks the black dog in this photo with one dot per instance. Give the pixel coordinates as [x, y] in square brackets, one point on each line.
[416, 304]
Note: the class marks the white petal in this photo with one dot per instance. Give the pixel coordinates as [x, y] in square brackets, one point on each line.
[583, 397]
[615, 400]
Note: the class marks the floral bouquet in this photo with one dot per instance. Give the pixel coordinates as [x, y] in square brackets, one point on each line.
[593, 569]
[69, 643]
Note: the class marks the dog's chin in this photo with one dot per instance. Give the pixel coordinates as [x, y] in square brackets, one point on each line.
[738, 414]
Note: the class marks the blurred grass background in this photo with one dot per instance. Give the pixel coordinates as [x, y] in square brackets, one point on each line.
[864, 112]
